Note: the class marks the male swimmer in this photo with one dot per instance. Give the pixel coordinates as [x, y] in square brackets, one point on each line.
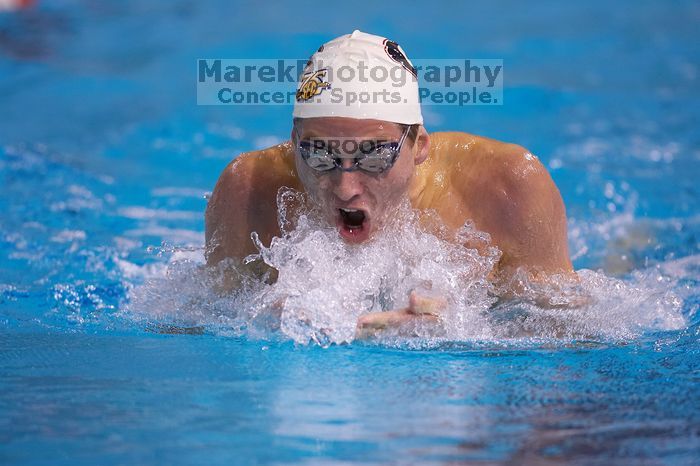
[358, 161]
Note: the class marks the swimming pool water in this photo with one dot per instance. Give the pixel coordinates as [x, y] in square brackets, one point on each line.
[105, 160]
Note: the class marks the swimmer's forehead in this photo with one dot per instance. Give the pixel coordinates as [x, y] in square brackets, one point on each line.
[347, 127]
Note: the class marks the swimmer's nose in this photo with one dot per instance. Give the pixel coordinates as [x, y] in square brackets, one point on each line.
[347, 185]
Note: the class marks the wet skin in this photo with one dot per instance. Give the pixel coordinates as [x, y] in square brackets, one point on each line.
[501, 187]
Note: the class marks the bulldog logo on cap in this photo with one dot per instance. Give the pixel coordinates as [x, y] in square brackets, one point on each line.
[312, 84]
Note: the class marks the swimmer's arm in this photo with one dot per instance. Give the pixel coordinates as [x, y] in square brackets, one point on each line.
[420, 308]
[531, 231]
[243, 201]
[529, 217]
[225, 216]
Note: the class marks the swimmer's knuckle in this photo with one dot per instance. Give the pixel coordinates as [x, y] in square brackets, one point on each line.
[364, 321]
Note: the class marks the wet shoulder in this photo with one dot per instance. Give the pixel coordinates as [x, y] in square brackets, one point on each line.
[273, 162]
[467, 160]
[261, 171]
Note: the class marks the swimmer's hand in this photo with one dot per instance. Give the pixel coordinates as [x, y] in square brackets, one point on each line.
[420, 309]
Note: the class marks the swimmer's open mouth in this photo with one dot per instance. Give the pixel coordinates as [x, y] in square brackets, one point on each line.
[353, 218]
[353, 224]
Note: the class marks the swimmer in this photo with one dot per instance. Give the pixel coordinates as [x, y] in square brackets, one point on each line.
[359, 160]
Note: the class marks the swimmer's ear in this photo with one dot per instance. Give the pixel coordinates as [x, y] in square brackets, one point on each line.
[422, 145]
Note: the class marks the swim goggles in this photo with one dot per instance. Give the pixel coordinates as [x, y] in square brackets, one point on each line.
[372, 157]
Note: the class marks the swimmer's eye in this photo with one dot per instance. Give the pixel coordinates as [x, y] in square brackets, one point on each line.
[387, 149]
[372, 157]
[316, 157]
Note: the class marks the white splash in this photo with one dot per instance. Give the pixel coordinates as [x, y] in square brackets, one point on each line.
[324, 285]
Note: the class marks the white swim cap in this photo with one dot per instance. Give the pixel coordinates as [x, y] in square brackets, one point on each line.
[360, 76]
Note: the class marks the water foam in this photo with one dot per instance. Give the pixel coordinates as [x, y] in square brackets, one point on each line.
[323, 285]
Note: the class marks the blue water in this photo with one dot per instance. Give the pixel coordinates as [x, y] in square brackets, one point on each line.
[105, 160]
